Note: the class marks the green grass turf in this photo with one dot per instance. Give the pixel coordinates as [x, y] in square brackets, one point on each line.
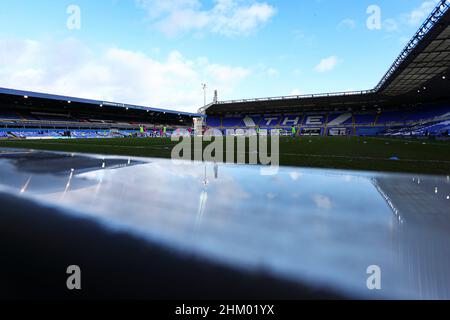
[352, 153]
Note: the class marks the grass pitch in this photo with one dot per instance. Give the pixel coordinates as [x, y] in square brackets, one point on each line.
[353, 153]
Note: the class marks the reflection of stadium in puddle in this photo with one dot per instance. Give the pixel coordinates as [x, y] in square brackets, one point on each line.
[319, 226]
[48, 172]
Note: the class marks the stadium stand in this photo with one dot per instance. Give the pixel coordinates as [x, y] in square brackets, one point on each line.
[391, 117]
[215, 122]
[314, 120]
[231, 122]
[77, 134]
[434, 117]
[29, 115]
[412, 98]
[269, 121]
[369, 131]
[364, 118]
[340, 119]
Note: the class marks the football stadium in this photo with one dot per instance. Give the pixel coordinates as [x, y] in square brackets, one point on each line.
[358, 208]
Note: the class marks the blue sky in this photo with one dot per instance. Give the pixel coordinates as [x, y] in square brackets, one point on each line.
[159, 52]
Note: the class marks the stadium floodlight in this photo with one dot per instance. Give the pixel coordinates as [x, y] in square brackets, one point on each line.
[25, 97]
[204, 86]
[69, 101]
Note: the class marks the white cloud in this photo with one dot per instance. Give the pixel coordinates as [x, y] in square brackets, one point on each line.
[322, 202]
[156, 8]
[298, 34]
[272, 72]
[295, 175]
[347, 23]
[411, 19]
[271, 196]
[113, 74]
[390, 25]
[327, 64]
[227, 17]
[418, 15]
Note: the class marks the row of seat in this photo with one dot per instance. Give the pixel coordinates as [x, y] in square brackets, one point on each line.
[81, 134]
[418, 114]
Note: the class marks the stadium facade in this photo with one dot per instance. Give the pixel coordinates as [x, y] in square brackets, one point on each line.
[32, 115]
[413, 98]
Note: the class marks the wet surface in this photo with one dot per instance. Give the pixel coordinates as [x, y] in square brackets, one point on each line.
[320, 227]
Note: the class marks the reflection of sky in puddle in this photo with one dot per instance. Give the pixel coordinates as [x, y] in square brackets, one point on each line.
[321, 226]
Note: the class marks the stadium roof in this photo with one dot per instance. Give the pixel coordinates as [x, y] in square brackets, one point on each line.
[426, 56]
[415, 76]
[30, 94]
